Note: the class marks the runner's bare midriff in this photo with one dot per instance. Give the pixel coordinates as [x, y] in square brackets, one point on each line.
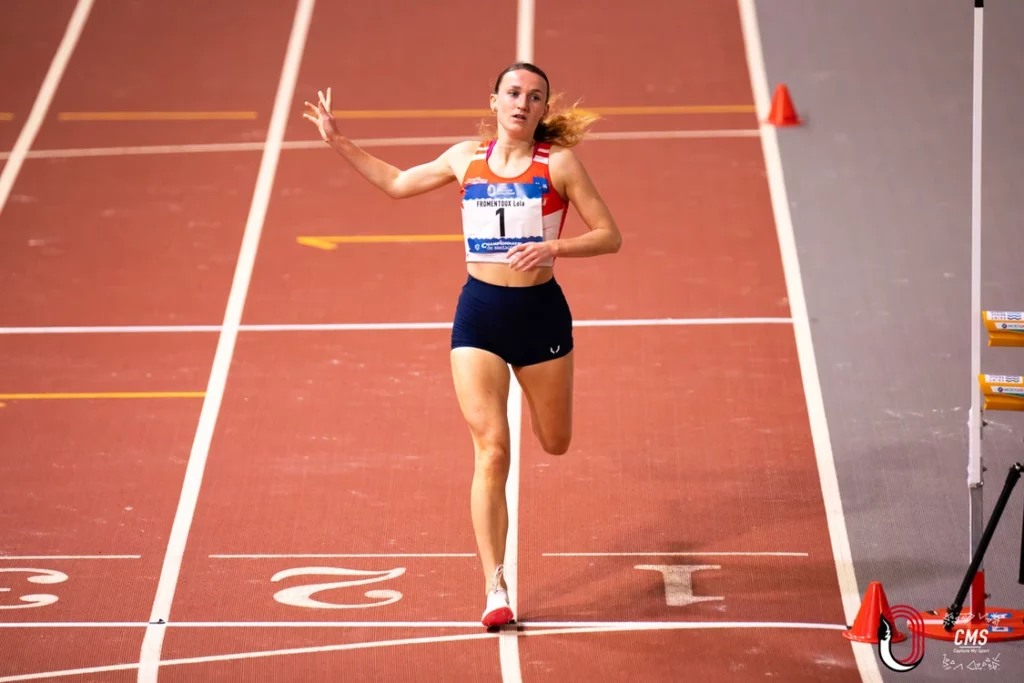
[501, 275]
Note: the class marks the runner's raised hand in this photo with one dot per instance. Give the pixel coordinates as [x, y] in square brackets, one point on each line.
[320, 114]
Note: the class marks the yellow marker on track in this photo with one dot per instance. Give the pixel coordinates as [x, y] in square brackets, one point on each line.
[329, 242]
[103, 395]
[6, 116]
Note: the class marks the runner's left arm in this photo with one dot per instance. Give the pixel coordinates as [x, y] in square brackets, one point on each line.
[569, 177]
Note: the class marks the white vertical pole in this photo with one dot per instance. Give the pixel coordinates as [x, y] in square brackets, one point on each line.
[524, 30]
[974, 468]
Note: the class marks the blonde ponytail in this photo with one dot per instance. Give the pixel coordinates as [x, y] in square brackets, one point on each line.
[566, 128]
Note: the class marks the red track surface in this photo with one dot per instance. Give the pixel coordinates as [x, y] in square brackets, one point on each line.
[689, 439]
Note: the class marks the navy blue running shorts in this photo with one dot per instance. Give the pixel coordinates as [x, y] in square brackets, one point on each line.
[522, 325]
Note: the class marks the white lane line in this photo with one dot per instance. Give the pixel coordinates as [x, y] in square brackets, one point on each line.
[866, 661]
[143, 150]
[70, 557]
[247, 624]
[35, 118]
[524, 30]
[676, 134]
[372, 327]
[152, 643]
[110, 329]
[348, 327]
[610, 625]
[672, 322]
[508, 644]
[222, 147]
[597, 626]
[338, 555]
[541, 629]
[552, 629]
[679, 554]
[274, 556]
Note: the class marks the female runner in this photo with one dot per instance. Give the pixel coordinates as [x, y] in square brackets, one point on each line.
[517, 186]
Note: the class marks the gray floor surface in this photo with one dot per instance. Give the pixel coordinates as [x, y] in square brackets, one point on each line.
[879, 185]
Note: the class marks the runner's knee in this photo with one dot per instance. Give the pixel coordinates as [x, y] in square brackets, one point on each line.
[557, 444]
[492, 459]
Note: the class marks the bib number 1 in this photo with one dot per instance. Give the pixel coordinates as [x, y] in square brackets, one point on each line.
[499, 216]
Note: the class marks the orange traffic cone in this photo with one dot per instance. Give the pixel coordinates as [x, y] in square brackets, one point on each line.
[865, 626]
[783, 113]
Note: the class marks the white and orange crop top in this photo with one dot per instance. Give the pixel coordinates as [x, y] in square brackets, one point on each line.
[498, 213]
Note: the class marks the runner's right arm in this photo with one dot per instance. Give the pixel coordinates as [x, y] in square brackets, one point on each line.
[395, 182]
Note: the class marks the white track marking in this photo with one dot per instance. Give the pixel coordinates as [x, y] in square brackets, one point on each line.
[842, 556]
[28, 133]
[801, 326]
[245, 625]
[671, 322]
[348, 327]
[338, 555]
[375, 327]
[222, 147]
[680, 554]
[153, 641]
[676, 134]
[110, 329]
[625, 626]
[144, 150]
[611, 625]
[508, 645]
[542, 629]
[70, 557]
[524, 30]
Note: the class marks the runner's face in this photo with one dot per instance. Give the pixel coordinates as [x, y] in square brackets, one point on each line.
[519, 103]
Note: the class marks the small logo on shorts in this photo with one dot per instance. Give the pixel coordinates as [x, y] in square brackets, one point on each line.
[554, 350]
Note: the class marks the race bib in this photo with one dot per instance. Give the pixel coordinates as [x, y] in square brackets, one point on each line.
[498, 216]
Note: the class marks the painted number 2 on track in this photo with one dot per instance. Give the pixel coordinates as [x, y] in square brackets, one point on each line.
[302, 596]
[42, 576]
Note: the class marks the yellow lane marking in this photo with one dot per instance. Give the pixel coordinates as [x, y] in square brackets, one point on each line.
[476, 113]
[155, 115]
[111, 394]
[408, 113]
[386, 113]
[6, 116]
[329, 242]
